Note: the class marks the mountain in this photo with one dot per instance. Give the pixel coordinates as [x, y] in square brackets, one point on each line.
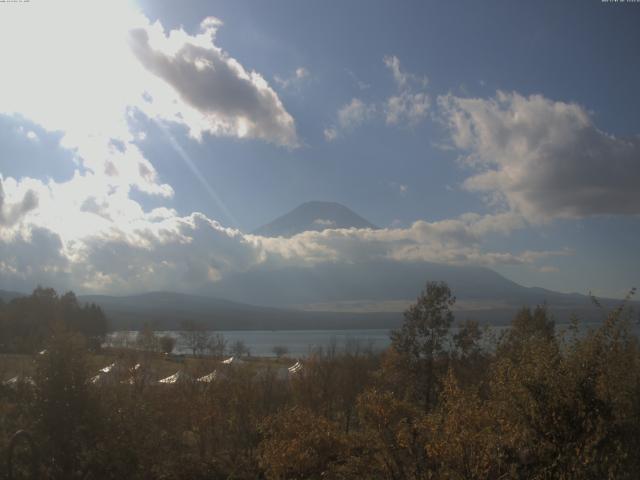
[375, 280]
[315, 216]
[336, 296]
[390, 286]
[167, 311]
[6, 296]
[482, 295]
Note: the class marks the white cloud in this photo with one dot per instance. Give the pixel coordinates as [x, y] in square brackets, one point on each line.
[324, 223]
[109, 244]
[401, 188]
[87, 233]
[102, 63]
[350, 116]
[293, 81]
[393, 63]
[543, 159]
[10, 213]
[454, 241]
[99, 66]
[355, 113]
[403, 80]
[407, 106]
[330, 134]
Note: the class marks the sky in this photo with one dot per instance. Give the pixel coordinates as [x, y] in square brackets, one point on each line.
[142, 142]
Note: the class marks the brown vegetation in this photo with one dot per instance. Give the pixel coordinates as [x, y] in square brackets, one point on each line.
[535, 404]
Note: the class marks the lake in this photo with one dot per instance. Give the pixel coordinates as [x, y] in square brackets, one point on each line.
[301, 343]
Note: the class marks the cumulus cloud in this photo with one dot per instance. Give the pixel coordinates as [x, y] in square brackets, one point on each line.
[231, 100]
[543, 159]
[99, 68]
[104, 65]
[160, 249]
[454, 241]
[33, 256]
[10, 213]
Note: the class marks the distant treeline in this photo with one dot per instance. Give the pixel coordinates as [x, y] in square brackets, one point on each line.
[26, 323]
[537, 404]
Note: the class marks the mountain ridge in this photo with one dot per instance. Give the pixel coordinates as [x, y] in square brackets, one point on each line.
[314, 215]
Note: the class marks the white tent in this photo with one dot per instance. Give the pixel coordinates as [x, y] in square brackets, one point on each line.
[210, 377]
[13, 382]
[295, 368]
[178, 377]
[108, 368]
[106, 374]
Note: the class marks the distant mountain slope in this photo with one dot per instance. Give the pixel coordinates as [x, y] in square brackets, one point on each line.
[481, 292]
[167, 311]
[376, 280]
[7, 296]
[313, 216]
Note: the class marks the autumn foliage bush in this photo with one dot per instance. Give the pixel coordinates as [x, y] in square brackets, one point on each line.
[443, 401]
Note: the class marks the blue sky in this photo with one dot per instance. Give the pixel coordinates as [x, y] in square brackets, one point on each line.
[509, 130]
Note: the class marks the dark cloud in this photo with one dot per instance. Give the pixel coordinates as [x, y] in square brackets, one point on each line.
[11, 213]
[233, 101]
[33, 257]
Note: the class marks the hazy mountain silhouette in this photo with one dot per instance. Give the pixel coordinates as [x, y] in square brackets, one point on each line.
[313, 216]
[382, 280]
[482, 295]
[6, 295]
[167, 310]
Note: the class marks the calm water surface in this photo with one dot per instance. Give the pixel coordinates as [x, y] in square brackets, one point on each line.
[300, 343]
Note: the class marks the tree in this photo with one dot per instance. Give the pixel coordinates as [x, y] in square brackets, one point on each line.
[195, 336]
[527, 327]
[167, 344]
[64, 408]
[147, 339]
[300, 444]
[217, 345]
[421, 339]
[280, 351]
[239, 348]
[29, 321]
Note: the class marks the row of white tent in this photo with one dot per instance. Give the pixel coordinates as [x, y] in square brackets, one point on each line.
[181, 376]
[105, 374]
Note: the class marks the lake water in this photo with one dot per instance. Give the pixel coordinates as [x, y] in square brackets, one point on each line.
[300, 343]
